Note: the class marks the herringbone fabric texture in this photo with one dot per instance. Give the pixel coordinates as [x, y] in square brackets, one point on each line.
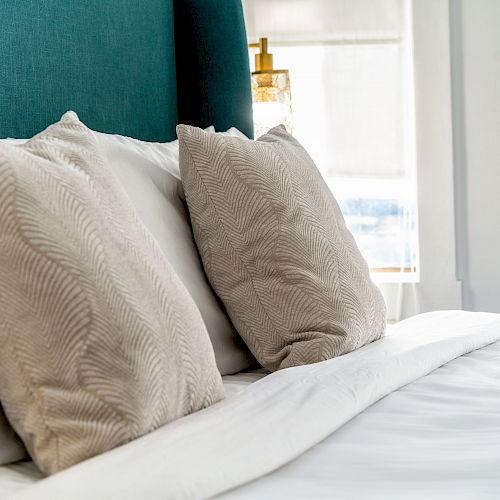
[100, 341]
[276, 249]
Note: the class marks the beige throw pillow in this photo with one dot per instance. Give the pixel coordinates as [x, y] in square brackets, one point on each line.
[276, 249]
[100, 341]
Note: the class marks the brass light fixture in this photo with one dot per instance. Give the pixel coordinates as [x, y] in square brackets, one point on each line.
[272, 100]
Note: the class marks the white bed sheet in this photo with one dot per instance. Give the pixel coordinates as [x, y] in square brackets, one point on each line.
[436, 438]
[234, 384]
[281, 417]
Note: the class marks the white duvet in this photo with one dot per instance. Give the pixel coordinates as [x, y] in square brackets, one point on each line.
[280, 417]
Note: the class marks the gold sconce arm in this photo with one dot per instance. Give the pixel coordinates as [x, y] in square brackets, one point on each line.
[263, 59]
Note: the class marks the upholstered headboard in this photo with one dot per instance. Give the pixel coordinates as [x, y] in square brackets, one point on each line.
[131, 67]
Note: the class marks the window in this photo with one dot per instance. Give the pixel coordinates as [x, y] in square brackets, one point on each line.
[350, 64]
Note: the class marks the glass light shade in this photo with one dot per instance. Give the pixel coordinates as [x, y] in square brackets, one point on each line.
[272, 100]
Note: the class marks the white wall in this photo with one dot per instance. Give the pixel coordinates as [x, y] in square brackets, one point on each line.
[475, 68]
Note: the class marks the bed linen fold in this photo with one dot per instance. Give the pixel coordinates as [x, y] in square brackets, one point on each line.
[437, 438]
[273, 421]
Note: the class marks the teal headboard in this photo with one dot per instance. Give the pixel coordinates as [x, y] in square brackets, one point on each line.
[114, 63]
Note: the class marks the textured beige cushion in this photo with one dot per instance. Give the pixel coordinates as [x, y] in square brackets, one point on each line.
[100, 341]
[276, 249]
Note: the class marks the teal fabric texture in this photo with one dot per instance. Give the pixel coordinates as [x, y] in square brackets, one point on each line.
[110, 61]
[213, 76]
[114, 63]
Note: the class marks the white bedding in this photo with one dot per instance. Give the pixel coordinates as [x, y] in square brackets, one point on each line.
[395, 446]
[436, 438]
[235, 384]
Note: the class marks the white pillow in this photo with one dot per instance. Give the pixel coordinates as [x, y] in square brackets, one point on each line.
[149, 173]
[14, 142]
[233, 132]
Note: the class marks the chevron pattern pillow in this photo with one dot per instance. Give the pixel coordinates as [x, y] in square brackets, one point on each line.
[276, 249]
[100, 341]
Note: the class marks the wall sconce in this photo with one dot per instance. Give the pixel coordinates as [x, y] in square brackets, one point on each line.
[272, 99]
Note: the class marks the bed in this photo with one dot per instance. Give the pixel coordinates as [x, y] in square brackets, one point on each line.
[413, 415]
